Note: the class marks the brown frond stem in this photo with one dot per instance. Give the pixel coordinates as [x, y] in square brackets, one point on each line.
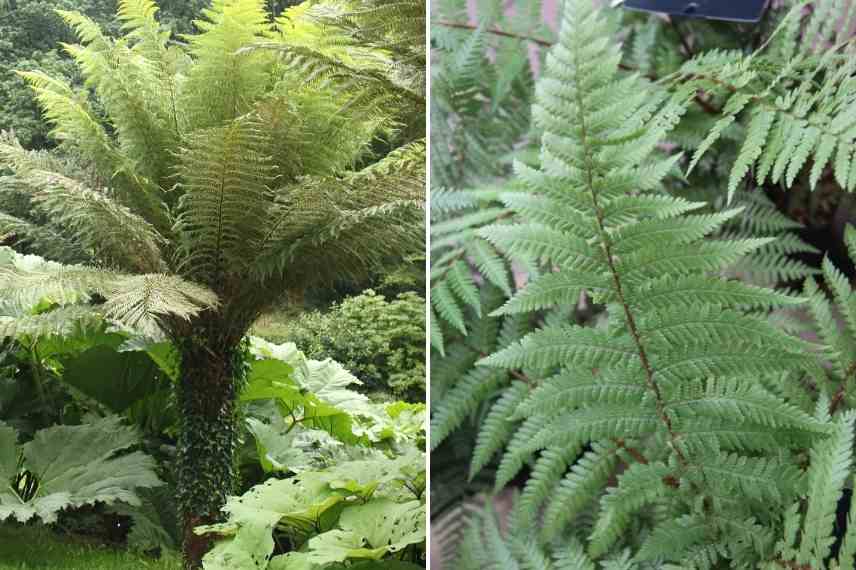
[494, 31]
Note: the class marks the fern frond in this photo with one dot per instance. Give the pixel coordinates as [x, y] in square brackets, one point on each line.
[679, 366]
[122, 238]
[787, 124]
[224, 83]
[461, 254]
[139, 301]
[579, 488]
[72, 117]
[831, 465]
[345, 223]
[637, 487]
[462, 401]
[227, 179]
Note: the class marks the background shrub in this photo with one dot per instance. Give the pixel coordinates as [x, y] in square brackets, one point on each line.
[380, 341]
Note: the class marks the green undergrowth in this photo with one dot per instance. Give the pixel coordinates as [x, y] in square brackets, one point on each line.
[26, 547]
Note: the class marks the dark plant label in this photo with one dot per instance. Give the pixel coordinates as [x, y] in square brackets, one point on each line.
[733, 10]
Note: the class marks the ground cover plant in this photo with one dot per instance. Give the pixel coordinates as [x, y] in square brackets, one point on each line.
[652, 357]
[200, 182]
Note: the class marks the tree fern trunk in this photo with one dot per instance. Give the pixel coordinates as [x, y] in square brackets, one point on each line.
[207, 392]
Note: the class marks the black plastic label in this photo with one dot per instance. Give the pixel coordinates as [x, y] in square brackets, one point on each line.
[733, 11]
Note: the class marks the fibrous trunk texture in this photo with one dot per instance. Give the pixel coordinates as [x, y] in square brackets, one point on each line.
[208, 438]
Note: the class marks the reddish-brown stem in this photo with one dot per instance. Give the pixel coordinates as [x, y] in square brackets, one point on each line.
[494, 31]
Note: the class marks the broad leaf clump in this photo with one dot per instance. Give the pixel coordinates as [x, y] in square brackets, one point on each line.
[356, 510]
[348, 479]
[65, 467]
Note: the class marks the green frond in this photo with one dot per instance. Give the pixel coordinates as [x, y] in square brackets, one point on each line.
[497, 427]
[226, 179]
[546, 474]
[560, 288]
[484, 546]
[40, 239]
[61, 321]
[579, 488]
[596, 422]
[474, 125]
[345, 222]
[136, 301]
[685, 362]
[121, 238]
[831, 465]
[461, 255]
[131, 79]
[519, 450]
[766, 480]
[141, 301]
[568, 346]
[672, 539]
[838, 341]
[572, 389]
[572, 556]
[73, 120]
[462, 401]
[85, 28]
[224, 83]
[638, 486]
[802, 114]
[776, 261]
[694, 290]
[738, 402]
[138, 19]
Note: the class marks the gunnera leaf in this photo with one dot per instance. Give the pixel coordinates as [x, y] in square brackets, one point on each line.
[72, 466]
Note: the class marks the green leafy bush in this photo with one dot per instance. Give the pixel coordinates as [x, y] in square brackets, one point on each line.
[382, 342]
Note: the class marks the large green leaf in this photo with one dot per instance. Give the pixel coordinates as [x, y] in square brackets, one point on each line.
[114, 379]
[276, 448]
[370, 531]
[309, 391]
[298, 505]
[76, 466]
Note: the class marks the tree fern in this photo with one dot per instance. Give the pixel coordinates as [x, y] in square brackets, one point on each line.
[199, 181]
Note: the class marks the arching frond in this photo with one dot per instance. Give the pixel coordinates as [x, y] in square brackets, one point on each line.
[137, 301]
[120, 237]
[345, 225]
